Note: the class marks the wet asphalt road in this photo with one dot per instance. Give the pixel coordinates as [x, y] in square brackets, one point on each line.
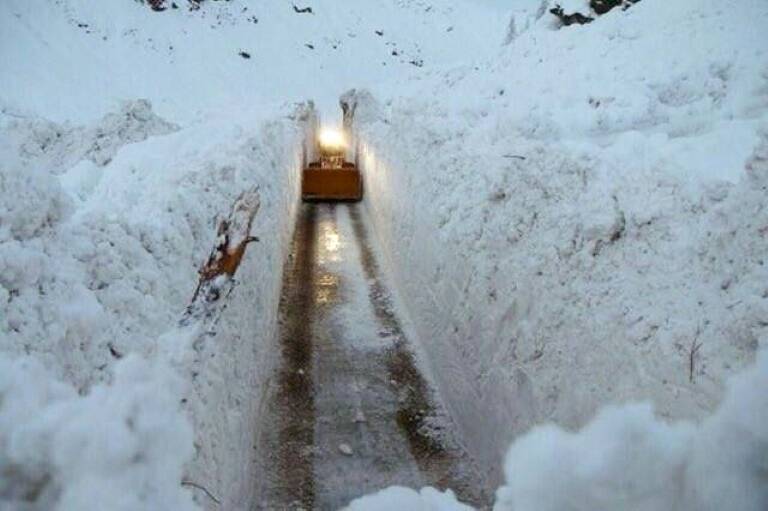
[351, 412]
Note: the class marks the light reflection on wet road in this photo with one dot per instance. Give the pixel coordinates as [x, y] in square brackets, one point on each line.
[351, 413]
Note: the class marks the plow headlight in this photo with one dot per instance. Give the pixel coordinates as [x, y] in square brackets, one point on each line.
[332, 139]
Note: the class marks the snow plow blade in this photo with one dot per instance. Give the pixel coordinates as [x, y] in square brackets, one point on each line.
[331, 184]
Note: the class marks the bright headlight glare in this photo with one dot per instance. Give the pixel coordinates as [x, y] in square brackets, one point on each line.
[331, 139]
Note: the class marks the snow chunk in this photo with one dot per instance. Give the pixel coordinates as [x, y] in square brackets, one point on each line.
[57, 147]
[120, 447]
[346, 450]
[624, 456]
[133, 123]
[398, 497]
[627, 459]
[32, 202]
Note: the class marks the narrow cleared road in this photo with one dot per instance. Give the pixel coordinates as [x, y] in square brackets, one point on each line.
[350, 412]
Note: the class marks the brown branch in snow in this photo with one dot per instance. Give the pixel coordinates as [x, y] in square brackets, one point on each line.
[695, 345]
[216, 275]
[203, 488]
[234, 234]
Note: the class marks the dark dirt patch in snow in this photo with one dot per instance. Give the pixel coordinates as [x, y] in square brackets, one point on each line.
[293, 408]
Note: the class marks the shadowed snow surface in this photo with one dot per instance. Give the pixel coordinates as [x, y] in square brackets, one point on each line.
[563, 215]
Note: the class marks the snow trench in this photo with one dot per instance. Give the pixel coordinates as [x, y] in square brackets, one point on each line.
[579, 224]
[544, 283]
[235, 364]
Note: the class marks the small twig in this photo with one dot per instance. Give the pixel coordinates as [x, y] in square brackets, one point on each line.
[695, 345]
[203, 488]
[513, 156]
[18, 116]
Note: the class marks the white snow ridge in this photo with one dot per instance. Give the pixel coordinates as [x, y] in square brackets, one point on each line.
[557, 275]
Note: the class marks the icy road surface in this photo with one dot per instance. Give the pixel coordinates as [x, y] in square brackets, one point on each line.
[351, 412]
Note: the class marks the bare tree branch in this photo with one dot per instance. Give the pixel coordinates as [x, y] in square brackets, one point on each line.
[203, 488]
[695, 346]
[217, 274]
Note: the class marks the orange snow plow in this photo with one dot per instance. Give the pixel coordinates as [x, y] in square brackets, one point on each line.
[331, 178]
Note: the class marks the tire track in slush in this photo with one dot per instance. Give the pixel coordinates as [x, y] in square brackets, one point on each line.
[289, 437]
[356, 401]
[352, 413]
[420, 416]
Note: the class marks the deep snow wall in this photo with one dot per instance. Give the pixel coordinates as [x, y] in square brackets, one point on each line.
[527, 310]
[561, 248]
[102, 230]
[232, 368]
[108, 206]
[235, 364]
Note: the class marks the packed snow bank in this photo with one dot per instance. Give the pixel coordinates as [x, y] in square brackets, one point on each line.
[108, 208]
[628, 459]
[120, 447]
[582, 222]
[102, 230]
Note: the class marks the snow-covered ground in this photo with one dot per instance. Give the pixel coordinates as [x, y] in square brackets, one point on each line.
[566, 215]
[103, 231]
[189, 63]
[124, 135]
[566, 224]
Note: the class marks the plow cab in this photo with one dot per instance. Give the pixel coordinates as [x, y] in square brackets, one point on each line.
[331, 178]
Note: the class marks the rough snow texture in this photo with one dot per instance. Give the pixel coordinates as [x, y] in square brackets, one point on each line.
[398, 497]
[98, 259]
[109, 203]
[628, 459]
[562, 223]
[565, 223]
[121, 447]
[75, 59]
